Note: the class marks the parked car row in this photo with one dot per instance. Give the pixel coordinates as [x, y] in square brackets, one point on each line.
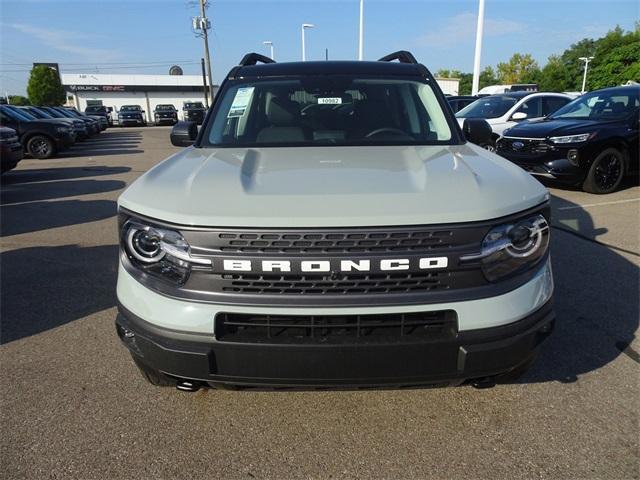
[163, 114]
[43, 132]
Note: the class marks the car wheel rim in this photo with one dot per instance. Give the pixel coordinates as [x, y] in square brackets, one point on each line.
[490, 147]
[608, 172]
[40, 147]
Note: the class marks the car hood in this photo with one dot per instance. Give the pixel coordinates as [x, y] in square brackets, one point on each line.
[332, 187]
[552, 128]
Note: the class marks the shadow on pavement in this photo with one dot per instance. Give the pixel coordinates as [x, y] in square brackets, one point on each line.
[46, 287]
[59, 173]
[107, 143]
[596, 300]
[22, 193]
[36, 216]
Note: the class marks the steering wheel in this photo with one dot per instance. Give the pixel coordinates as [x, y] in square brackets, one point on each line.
[378, 131]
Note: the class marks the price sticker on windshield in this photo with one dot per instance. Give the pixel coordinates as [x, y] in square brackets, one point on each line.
[240, 102]
[329, 101]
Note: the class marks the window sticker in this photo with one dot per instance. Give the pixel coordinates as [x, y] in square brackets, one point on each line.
[240, 102]
[329, 101]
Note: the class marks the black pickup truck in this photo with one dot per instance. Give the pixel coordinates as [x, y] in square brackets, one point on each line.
[40, 138]
[194, 112]
[165, 113]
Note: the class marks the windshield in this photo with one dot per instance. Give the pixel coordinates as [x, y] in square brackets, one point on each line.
[489, 107]
[165, 107]
[24, 113]
[63, 112]
[608, 105]
[12, 114]
[130, 108]
[39, 113]
[193, 105]
[328, 110]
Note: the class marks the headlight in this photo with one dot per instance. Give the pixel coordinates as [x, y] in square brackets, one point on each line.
[62, 130]
[159, 252]
[512, 248]
[583, 137]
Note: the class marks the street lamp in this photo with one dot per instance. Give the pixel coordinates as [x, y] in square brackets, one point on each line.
[586, 61]
[361, 36]
[304, 27]
[273, 57]
[475, 84]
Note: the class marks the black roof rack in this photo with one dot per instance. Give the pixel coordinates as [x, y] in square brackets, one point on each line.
[253, 58]
[402, 56]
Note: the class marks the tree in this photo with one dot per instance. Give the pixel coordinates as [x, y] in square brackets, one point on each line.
[517, 69]
[553, 77]
[44, 87]
[18, 100]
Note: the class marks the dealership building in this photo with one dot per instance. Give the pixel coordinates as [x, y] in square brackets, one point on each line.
[84, 89]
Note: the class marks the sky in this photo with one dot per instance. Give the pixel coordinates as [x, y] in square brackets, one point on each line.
[148, 36]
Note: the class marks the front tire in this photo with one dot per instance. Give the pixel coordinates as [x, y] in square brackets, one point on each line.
[154, 377]
[606, 172]
[41, 147]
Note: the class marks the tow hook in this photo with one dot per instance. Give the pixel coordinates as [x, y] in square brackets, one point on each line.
[188, 386]
[485, 382]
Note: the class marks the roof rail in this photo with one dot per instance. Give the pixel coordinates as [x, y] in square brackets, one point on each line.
[253, 58]
[402, 56]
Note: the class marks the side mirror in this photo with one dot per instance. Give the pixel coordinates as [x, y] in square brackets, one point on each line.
[518, 116]
[183, 134]
[477, 130]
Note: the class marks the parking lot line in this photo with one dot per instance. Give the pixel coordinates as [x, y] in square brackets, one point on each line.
[599, 204]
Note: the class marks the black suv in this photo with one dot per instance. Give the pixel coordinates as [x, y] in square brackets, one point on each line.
[79, 127]
[592, 141]
[165, 113]
[131, 115]
[11, 151]
[41, 138]
[100, 110]
[194, 112]
[458, 102]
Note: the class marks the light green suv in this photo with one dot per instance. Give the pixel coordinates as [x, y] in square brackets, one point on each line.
[331, 226]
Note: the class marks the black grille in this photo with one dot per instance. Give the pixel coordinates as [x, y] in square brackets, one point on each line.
[347, 242]
[529, 146]
[343, 284]
[332, 329]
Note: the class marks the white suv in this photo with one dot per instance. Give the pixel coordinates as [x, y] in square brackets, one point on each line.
[506, 110]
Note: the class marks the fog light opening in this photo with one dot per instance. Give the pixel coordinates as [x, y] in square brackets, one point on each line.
[572, 156]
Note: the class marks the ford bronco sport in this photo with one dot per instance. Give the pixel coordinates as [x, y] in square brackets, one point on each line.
[331, 226]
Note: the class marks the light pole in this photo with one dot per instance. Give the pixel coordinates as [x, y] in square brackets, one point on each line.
[476, 60]
[304, 27]
[273, 57]
[361, 43]
[586, 61]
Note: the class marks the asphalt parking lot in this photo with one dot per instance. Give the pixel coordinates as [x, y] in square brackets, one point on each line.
[74, 405]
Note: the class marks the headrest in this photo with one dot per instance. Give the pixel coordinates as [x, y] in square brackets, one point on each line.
[283, 112]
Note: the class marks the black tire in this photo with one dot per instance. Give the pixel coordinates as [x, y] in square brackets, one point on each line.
[606, 172]
[41, 147]
[154, 377]
[491, 146]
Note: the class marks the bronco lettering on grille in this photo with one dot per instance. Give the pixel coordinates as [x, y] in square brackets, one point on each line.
[350, 265]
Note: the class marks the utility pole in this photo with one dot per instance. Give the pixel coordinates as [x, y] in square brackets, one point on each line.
[476, 61]
[203, 23]
[304, 51]
[586, 61]
[361, 43]
[204, 82]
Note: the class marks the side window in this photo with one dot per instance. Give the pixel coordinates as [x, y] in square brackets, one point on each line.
[532, 107]
[551, 104]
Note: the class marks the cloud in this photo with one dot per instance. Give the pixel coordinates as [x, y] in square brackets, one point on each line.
[462, 28]
[69, 42]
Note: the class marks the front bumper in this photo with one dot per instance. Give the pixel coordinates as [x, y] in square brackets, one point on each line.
[169, 120]
[553, 163]
[471, 355]
[131, 121]
[493, 336]
[10, 155]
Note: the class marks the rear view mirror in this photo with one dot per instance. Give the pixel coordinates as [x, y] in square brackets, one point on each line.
[516, 117]
[184, 134]
[477, 130]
